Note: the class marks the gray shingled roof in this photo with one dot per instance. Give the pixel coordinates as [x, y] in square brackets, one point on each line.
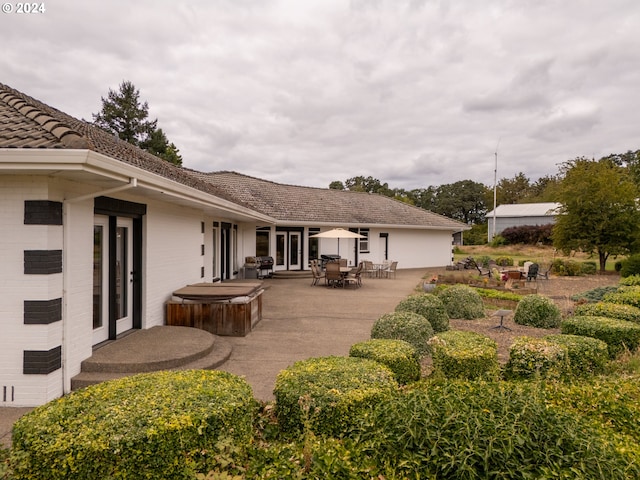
[28, 123]
[292, 203]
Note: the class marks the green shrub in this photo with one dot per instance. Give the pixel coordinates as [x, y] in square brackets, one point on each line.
[464, 355]
[504, 261]
[630, 266]
[483, 260]
[587, 356]
[462, 301]
[619, 335]
[594, 295]
[478, 430]
[408, 326]
[588, 268]
[329, 394]
[498, 294]
[401, 357]
[535, 357]
[154, 425]
[611, 402]
[430, 307]
[537, 311]
[630, 281]
[569, 268]
[625, 296]
[609, 310]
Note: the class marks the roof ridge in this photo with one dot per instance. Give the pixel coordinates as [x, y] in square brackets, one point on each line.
[24, 105]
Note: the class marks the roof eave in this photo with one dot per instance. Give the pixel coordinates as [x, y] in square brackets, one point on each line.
[108, 172]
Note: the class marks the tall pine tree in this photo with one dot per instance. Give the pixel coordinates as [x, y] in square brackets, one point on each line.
[124, 115]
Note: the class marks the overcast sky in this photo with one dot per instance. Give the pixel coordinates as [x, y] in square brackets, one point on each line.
[413, 93]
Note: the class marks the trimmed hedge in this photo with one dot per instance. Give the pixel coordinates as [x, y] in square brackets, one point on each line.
[410, 327]
[594, 295]
[491, 293]
[631, 280]
[153, 425]
[479, 430]
[537, 311]
[609, 310]
[464, 355]
[624, 295]
[536, 357]
[401, 357]
[430, 307]
[587, 356]
[617, 334]
[330, 394]
[462, 301]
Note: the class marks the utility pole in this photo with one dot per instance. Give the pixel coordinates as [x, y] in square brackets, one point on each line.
[495, 190]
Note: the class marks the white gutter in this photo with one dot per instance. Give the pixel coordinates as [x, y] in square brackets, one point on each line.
[66, 264]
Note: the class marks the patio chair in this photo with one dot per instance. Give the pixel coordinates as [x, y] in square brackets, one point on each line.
[317, 273]
[544, 274]
[333, 276]
[356, 280]
[368, 268]
[390, 270]
[532, 273]
[343, 262]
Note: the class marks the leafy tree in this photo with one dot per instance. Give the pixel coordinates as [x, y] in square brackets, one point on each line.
[599, 212]
[124, 115]
[630, 160]
[463, 201]
[512, 190]
[423, 197]
[336, 185]
[158, 145]
[545, 189]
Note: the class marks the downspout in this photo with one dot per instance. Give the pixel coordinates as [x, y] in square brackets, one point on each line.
[66, 268]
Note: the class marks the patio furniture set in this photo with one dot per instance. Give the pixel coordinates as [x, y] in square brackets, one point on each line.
[336, 273]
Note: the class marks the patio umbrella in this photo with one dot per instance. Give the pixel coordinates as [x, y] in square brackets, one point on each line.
[337, 233]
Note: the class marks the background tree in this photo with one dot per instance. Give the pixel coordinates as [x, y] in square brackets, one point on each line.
[599, 212]
[158, 145]
[124, 115]
[511, 190]
[463, 201]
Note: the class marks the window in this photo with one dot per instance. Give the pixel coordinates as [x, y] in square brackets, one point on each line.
[262, 242]
[314, 245]
[364, 242]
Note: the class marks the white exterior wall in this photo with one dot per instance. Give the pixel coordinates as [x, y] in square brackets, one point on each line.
[17, 389]
[412, 248]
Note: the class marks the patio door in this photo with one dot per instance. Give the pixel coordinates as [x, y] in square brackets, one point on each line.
[113, 285]
[288, 250]
[124, 275]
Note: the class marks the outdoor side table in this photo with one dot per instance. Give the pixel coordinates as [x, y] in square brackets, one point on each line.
[502, 314]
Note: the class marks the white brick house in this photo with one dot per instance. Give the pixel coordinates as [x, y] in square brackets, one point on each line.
[97, 234]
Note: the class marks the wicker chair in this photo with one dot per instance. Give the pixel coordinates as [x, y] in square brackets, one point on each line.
[332, 274]
[356, 280]
[390, 270]
[317, 273]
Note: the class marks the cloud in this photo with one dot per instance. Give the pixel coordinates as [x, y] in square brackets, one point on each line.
[414, 93]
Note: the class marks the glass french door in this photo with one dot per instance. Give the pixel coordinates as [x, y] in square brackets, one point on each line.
[288, 250]
[112, 278]
[100, 280]
[124, 275]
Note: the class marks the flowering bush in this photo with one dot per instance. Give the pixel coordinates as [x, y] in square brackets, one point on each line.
[400, 356]
[430, 307]
[408, 326]
[462, 301]
[464, 355]
[537, 311]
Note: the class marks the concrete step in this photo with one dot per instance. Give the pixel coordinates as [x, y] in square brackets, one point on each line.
[161, 348]
[292, 274]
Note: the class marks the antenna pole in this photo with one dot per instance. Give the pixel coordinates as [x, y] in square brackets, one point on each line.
[495, 186]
